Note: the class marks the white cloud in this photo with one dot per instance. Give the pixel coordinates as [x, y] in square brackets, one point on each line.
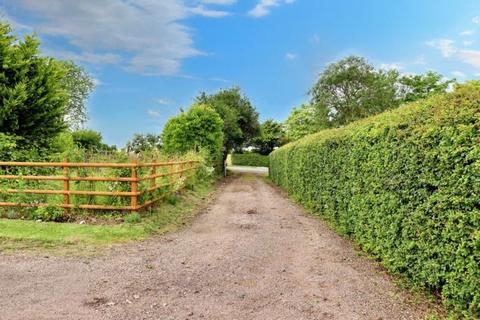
[315, 39]
[476, 20]
[458, 74]
[448, 50]
[420, 60]
[202, 11]
[468, 43]
[444, 45]
[219, 2]
[391, 66]
[164, 101]
[153, 113]
[217, 79]
[88, 57]
[264, 7]
[290, 56]
[147, 36]
[467, 33]
[97, 82]
[471, 57]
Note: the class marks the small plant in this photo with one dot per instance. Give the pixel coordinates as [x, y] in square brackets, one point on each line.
[48, 213]
[172, 199]
[132, 218]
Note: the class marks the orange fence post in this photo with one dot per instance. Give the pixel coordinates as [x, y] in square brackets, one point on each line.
[66, 188]
[153, 172]
[134, 187]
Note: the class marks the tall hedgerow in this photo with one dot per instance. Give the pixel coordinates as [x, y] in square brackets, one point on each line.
[404, 185]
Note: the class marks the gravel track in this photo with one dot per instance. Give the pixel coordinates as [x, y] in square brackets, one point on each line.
[251, 255]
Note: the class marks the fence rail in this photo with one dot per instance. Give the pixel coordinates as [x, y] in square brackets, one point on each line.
[175, 170]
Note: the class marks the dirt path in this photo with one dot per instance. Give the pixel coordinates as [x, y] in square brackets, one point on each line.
[252, 255]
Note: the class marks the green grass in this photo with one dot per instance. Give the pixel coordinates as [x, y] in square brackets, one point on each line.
[83, 239]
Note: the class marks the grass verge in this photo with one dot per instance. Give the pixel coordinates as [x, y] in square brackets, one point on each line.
[83, 239]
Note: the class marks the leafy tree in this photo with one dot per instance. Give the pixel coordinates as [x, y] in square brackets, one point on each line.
[33, 100]
[200, 127]
[305, 120]
[90, 140]
[352, 89]
[78, 85]
[271, 136]
[240, 119]
[141, 142]
[421, 86]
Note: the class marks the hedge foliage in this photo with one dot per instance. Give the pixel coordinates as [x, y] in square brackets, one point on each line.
[250, 159]
[404, 185]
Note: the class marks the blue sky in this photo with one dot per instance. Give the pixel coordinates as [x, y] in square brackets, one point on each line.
[151, 57]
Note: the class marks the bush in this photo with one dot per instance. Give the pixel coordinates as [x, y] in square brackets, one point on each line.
[49, 213]
[249, 159]
[199, 128]
[404, 185]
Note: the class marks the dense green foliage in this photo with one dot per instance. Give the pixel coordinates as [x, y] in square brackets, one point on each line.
[420, 86]
[199, 128]
[404, 185]
[90, 140]
[33, 99]
[240, 119]
[271, 137]
[144, 142]
[352, 89]
[78, 85]
[305, 120]
[251, 159]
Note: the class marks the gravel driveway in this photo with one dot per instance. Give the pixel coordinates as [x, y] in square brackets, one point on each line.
[252, 255]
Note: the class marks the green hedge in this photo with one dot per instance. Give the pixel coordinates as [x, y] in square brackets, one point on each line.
[250, 159]
[404, 185]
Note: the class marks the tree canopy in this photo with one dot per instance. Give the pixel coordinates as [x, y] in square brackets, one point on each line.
[90, 140]
[240, 119]
[143, 142]
[271, 136]
[78, 86]
[33, 99]
[420, 86]
[198, 128]
[351, 89]
[305, 120]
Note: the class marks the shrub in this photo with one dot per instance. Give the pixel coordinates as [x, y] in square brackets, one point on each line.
[404, 185]
[132, 218]
[199, 128]
[249, 159]
[49, 213]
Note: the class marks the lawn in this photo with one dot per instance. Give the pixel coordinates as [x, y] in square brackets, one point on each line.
[84, 239]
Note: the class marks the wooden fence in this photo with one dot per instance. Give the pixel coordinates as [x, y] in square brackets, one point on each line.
[173, 172]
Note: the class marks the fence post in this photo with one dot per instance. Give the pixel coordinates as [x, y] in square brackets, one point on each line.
[134, 187]
[66, 188]
[153, 172]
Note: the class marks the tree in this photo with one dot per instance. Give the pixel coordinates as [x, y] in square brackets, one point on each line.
[78, 85]
[198, 128]
[306, 119]
[271, 136]
[141, 142]
[240, 119]
[90, 140]
[352, 89]
[33, 100]
[421, 86]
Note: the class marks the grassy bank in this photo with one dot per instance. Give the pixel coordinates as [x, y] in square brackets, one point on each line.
[86, 239]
